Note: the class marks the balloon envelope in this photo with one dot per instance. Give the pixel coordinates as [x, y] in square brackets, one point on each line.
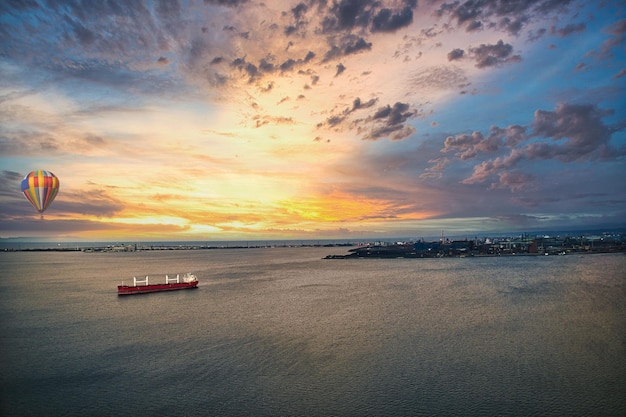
[40, 187]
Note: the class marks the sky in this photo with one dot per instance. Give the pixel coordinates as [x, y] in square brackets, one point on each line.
[312, 119]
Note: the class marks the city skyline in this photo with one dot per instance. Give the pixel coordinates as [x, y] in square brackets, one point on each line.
[235, 120]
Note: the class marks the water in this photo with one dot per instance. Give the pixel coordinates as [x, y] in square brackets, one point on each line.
[281, 332]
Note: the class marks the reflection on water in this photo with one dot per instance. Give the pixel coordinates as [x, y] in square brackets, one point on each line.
[281, 332]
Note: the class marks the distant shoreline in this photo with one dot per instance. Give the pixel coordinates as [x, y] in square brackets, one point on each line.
[162, 247]
[499, 255]
[512, 245]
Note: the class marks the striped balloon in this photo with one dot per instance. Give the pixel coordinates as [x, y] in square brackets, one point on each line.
[40, 187]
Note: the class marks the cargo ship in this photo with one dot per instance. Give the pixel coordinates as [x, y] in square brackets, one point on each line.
[142, 286]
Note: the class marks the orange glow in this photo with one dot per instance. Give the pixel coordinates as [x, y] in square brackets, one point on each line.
[342, 207]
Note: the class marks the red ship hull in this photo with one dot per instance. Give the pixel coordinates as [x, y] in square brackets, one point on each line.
[143, 289]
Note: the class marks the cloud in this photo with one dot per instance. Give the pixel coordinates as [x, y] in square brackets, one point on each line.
[586, 136]
[366, 14]
[345, 14]
[437, 78]
[337, 119]
[568, 29]
[393, 115]
[231, 3]
[389, 121]
[387, 21]
[514, 180]
[493, 55]
[536, 35]
[10, 184]
[509, 16]
[359, 105]
[571, 133]
[617, 31]
[340, 69]
[348, 45]
[93, 200]
[276, 120]
[620, 74]
[468, 146]
[386, 122]
[435, 171]
[393, 132]
[455, 54]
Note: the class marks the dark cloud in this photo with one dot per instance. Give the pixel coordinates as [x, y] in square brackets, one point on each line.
[493, 55]
[455, 54]
[347, 45]
[299, 10]
[387, 21]
[251, 70]
[84, 36]
[359, 45]
[17, 5]
[334, 121]
[548, 6]
[393, 132]
[345, 14]
[533, 36]
[340, 69]
[358, 104]
[290, 30]
[288, 65]
[509, 16]
[10, 185]
[388, 122]
[372, 15]
[513, 26]
[96, 42]
[397, 114]
[265, 66]
[474, 26]
[231, 3]
[468, 11]
[268, 67]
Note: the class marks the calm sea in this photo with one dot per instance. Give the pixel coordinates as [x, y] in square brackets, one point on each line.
[281, 332]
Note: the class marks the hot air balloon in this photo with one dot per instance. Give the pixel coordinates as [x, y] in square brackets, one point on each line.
[40, 187]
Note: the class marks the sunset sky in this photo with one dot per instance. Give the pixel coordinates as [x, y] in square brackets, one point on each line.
[312, 119]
